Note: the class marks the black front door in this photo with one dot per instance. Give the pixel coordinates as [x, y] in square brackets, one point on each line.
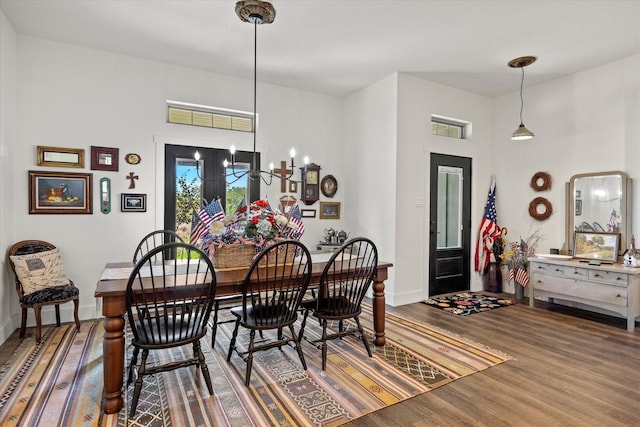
[450, 224]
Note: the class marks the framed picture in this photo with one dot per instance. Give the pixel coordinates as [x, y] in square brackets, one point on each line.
[592, 245]
[60, 193]
[104, 158]
[60, 157]
[329, 186]
[329, 210]
[133, 202]
[308, 213]
[578, 207]
[293, 187]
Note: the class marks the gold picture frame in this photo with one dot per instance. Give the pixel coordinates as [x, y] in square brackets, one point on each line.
[329, 210]
[60, 193]
[60, 157]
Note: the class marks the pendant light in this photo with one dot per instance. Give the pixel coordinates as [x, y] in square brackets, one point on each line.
[522, 133]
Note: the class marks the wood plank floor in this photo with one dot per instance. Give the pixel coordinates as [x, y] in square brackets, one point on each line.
[571, 368]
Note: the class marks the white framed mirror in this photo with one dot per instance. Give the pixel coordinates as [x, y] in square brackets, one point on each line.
[599, 202]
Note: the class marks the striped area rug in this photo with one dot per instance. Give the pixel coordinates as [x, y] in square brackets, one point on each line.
[59, 382]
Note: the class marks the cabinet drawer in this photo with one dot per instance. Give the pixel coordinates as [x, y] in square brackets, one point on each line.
[560, 270]
[584, 290]
[608, 277]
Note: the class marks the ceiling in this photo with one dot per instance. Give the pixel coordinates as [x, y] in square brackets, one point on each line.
[337, 47]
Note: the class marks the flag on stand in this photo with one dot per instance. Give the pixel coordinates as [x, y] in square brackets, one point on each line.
[203, 219]
[295, 217]
[489, 231]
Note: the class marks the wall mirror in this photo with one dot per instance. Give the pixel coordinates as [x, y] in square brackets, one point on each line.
[599, 202]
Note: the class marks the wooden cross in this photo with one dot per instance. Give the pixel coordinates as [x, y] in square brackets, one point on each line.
[284, 173]
[132, 178]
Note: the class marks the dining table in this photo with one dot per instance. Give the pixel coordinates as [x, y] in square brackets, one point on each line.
[111, 289]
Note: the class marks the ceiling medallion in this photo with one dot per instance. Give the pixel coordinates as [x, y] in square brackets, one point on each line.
[255, 11]
[522, 61]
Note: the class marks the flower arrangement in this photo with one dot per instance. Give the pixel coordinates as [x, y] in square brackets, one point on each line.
[516, 256]
[256, 225]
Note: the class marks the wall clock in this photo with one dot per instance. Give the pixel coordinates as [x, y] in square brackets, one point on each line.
[310, 184]
[329, 186]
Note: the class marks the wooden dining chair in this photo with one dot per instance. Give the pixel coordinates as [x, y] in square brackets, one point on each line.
[41, 281]
[271, 294]
[344, 282]
[153, 240]
[168, 305]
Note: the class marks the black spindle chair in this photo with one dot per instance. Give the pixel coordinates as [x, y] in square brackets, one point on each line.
[153, 240]
[344, 282]
[168, 305]
[271, 294]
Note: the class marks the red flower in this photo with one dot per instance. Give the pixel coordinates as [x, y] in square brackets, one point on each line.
[255, 220]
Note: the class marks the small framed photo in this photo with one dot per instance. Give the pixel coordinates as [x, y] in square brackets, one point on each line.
[308, 213]
[596, 246]
[60, 157]
[329, 210]
[293, 187]
[104, 158]
[60, 193]
[578, 207]
[133, 202]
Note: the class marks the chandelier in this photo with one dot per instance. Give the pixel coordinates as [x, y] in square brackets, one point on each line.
[257, 13]
[522, 133]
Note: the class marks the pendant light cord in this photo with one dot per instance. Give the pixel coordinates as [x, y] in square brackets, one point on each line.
[521, 98]
[255, 92]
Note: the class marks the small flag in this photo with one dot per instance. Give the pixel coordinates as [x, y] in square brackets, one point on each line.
[201, 222]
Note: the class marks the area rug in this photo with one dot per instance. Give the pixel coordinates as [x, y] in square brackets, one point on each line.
[59, 382]
[465, 304]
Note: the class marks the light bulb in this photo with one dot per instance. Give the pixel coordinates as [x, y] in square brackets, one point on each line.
[225, 163]
[197, 156]
[306, 160]
[271, 166]
[232, 149]
[292, 152]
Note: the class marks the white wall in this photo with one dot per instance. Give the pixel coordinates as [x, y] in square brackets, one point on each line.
[8, 96]
[76, 97]
[587, 122]
[418, 99]
[370, 152]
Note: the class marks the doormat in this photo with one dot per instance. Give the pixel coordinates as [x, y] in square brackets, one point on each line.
[467, 303]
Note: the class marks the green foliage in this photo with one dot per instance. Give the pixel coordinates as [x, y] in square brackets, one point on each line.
[234, 198]
[188, 199]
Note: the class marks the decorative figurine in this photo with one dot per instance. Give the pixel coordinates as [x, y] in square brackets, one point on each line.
[631, 258]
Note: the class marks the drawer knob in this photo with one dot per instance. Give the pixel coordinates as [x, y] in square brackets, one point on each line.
[618, 296]
[557, 269]
[597, 275]
[618, 278]
[575, 272]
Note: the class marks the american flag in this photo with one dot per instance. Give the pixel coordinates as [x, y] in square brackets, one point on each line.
[295, 217]
[489, 231]
[201, 221]
[520, 275]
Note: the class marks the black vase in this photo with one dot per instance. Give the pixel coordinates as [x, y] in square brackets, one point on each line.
[492, 278]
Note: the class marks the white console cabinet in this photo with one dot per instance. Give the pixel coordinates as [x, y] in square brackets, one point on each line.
[611, 287]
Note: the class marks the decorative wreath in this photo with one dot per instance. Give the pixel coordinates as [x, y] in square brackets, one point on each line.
[533, 209]
[546, 181]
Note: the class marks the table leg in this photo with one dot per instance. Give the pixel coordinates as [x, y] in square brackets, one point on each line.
[113, 353]
[378, 312]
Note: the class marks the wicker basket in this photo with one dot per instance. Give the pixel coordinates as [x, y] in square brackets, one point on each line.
[233, 256]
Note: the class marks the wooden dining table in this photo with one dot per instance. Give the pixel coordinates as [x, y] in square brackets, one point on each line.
[111, 289]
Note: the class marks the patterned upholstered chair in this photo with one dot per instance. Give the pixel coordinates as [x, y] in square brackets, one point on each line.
[41, 281]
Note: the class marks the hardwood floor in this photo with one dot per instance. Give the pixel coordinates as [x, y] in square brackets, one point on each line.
[571, 368]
